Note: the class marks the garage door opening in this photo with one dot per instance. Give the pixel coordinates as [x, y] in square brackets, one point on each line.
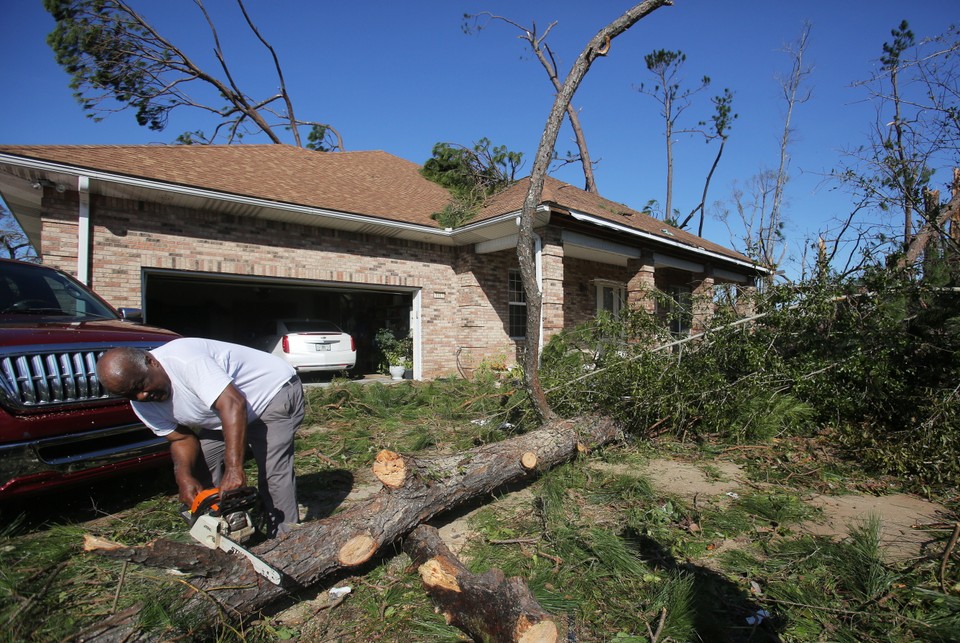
[243, 310]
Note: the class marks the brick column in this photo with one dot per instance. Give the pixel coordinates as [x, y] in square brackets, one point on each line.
[746, 301]
[641, 286]
[551, 266]
[702, 303]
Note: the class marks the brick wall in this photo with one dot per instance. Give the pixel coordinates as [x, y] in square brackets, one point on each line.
[130, 235]
[483, 304]
[580, 289]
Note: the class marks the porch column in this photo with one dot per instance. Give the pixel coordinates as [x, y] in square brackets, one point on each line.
[641, 286]
[702, 303]
[552, 271]
[746, 301]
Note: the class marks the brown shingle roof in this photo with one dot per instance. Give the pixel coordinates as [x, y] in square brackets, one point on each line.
[564, 196]
[368, 183]
[374, 183]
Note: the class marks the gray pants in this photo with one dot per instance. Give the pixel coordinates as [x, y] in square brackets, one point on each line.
[270, 437]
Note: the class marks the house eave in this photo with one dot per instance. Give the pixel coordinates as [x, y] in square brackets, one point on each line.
[662, 241]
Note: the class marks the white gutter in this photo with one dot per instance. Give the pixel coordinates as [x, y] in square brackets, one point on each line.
[589, 218]
[83, 230]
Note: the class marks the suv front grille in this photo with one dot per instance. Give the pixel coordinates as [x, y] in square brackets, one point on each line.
[50, 377]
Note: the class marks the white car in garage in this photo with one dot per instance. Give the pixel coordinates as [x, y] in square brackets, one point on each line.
[312, 345]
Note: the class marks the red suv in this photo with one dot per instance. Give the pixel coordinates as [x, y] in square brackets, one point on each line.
[58, 426]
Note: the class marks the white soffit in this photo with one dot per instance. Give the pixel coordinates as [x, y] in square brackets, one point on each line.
[599, 221]
[666, 261]
[496, 245]
[581, 246]
[726, 275]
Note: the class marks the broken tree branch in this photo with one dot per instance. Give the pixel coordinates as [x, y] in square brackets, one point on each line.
[487, 607]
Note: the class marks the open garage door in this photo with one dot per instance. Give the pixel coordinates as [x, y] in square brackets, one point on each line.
[242, 309]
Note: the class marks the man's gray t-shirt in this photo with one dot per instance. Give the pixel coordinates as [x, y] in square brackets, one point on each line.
[199, 371]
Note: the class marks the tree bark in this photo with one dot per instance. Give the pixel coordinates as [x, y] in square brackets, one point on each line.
[487, 607]
[225, 585]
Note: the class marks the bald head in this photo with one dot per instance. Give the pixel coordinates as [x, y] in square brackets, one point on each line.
[123, 370]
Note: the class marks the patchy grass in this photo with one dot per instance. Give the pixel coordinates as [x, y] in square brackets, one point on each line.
[595, 540]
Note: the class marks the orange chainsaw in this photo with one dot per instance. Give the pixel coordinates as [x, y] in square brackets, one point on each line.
[222, 521]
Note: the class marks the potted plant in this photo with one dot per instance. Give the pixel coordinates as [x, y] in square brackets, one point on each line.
[398, 352]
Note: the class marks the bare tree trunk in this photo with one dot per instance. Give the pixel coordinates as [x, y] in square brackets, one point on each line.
[487, 607]
[790, 87]
[599, 45]
[226, 586]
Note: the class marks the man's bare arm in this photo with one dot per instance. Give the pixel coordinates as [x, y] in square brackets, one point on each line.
[231, 406]
[185, 450]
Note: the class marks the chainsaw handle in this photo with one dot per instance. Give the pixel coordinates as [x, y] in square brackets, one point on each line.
[206, 499]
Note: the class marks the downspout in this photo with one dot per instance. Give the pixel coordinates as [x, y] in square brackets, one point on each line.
[83, 230]
[538, 264]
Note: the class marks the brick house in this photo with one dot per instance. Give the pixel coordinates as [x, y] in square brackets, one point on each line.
[219, 241]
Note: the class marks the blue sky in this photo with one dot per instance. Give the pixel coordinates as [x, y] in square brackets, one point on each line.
[401, 76]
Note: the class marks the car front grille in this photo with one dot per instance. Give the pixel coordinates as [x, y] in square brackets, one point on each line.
[50, 377]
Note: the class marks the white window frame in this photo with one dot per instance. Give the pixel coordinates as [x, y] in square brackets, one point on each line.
[681, 300]
[618, 293]
[514, 274]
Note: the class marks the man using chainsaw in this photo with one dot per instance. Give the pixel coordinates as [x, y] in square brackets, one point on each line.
[211, 400]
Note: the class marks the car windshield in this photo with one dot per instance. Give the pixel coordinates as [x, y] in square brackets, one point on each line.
[308, 326]
[27, 289]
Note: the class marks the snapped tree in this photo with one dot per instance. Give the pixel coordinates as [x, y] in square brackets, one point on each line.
[598, 46]
[916, 95]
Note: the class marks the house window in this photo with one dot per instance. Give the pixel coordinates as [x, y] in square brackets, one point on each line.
[680, 309]
[611, 297]
[517, 306]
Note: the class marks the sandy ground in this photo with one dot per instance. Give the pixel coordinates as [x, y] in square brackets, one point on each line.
[899, 513]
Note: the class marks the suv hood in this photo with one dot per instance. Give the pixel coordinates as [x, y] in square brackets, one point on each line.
[24, 331]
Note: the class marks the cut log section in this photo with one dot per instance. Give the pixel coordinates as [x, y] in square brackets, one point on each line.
[486, 607]
[318, 549]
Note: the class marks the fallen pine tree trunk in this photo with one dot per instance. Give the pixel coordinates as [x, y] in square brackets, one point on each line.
[415, 490]
[487, 607]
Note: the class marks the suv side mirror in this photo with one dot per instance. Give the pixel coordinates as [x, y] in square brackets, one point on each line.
[131, 314]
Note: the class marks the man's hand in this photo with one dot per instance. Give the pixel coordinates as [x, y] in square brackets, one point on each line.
[233, 480]
[189, 488]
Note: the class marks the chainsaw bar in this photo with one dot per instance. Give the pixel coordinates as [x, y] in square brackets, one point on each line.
[207, 530]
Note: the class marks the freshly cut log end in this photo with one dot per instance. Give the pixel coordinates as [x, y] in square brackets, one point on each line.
[390, 469]
[357, 550]
[435, 574]
[540, 632]
[529, 460]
